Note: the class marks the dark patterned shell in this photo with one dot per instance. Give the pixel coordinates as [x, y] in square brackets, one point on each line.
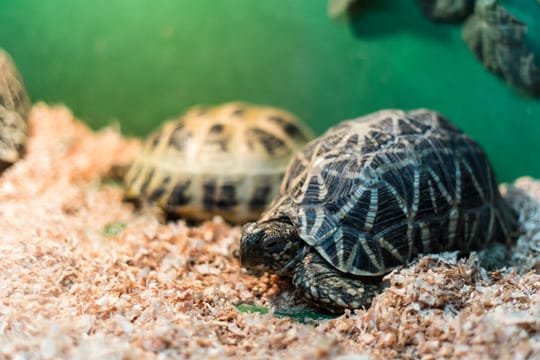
[14, 108]
[227, 160]
[372, 193]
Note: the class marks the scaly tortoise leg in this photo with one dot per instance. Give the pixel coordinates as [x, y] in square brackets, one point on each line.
[326, 287]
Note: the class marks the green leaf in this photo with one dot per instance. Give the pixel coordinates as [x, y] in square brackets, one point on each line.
[111, 182]
[113, 229]
[303, 316]
[251, 308]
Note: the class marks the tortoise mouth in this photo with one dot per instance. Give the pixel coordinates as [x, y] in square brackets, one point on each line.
[243, 255]
[250, 236]
[251, 261]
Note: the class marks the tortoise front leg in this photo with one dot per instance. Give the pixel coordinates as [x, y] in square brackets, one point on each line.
[324, 286]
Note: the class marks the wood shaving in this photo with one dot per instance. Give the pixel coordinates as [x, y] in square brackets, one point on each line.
[70, 289]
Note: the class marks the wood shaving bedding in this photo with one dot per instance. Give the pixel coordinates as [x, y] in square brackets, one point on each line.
[85, 276]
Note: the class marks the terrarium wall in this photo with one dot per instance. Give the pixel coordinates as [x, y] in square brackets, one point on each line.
[138, 63]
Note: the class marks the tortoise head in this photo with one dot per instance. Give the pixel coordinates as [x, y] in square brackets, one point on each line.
[272, 245]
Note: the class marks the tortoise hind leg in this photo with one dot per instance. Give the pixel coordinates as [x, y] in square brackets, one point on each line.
[323, 286]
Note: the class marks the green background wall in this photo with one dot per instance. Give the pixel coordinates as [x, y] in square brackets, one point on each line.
[139, 62]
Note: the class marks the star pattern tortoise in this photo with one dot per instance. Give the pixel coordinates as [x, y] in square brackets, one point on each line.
[370, 195]
[14, 109]
[226, 160]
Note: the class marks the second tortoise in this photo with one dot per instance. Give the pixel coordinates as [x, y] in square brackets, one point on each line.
[226, 160]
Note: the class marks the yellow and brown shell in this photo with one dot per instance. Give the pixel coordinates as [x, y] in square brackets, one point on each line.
[226, 160]
[14, 109]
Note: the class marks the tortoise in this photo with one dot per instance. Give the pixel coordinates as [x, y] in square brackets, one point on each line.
[447, 10]
[226, 160]
[498, 41]
[370, 195]
[14, 109]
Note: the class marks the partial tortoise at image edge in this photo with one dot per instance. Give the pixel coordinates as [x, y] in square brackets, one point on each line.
[369, 196]
[14, 109]
[495, 36]
[226, 160]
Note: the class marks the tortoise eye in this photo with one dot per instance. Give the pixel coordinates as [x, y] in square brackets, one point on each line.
[271, 243]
